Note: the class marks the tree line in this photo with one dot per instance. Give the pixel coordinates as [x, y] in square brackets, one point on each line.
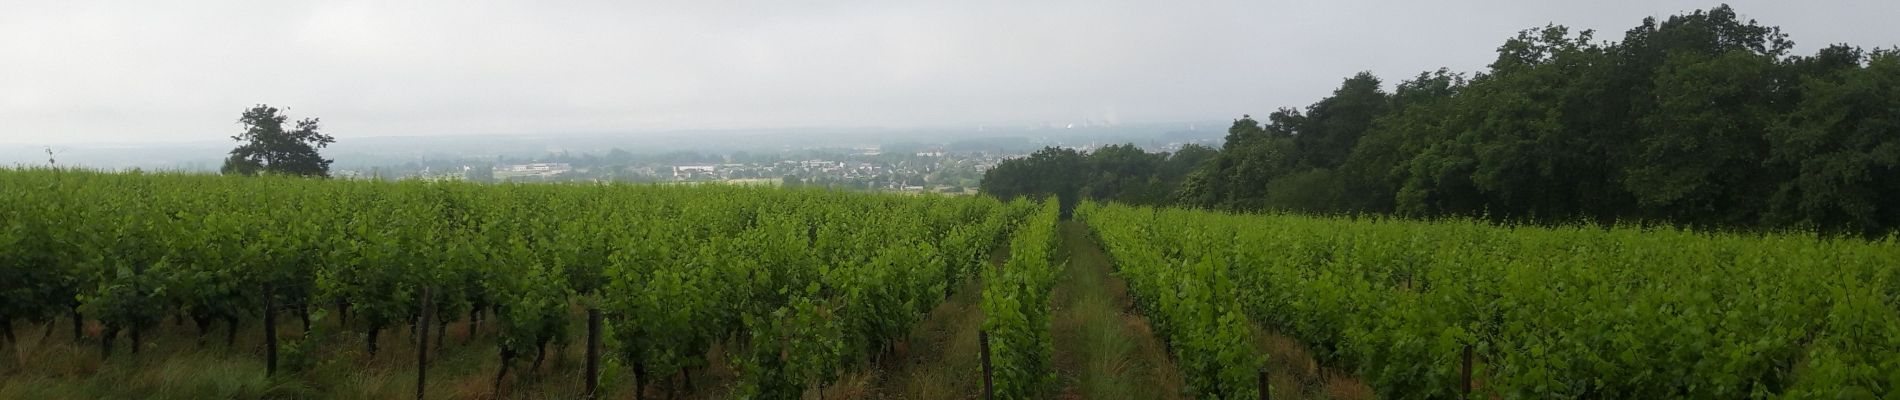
[1123, 173]
[1701, 120]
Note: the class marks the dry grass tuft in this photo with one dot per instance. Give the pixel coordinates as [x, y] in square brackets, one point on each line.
[1296, 374]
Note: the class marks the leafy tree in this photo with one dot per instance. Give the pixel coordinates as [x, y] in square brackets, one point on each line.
[1701, 161]
[1512, 151]
[1313, 190]
[265, 147]
[1842, 143]
[1183, 162]
[1325, 136]
[1699, 120]
[1375, 170]
[1124, 173]
[1050, 171]
[1252, 155]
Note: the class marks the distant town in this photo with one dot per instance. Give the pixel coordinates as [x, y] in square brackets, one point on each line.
[869, 168]
[863, 168]
[947, 161]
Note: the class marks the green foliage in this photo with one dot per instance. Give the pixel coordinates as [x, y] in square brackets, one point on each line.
[1549, 313]
[304, 353]
[800, 285]
[1326, 133]
[1236, 178]
[1189, 293]
[37, 276]
[1122, 172]
[1700, 120]
[1016, 308]
[1840, 146]
[1052, 171]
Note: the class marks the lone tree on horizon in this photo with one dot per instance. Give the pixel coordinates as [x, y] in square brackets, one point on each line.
[265, 147]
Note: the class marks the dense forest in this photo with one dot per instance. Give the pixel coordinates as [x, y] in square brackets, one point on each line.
[1700, 120]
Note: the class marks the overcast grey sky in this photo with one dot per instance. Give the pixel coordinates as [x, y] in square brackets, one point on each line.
[87, 71]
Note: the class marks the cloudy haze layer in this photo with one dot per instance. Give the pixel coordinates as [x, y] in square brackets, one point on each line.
[77, 71]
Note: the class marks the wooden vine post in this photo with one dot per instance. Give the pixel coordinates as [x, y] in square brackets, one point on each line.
[270, 332]
[1466, 373]
[989, 387]
[593, 353]
[422, 345]
[1264, 393]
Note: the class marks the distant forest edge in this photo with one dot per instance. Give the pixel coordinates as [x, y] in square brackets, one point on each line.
[1701, 120]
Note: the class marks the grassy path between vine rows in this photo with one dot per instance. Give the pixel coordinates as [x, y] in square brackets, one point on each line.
[1103, 349]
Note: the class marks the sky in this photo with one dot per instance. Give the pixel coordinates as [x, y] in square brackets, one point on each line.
[149, 71]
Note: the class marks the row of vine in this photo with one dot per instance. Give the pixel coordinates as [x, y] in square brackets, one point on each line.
[803, 284]
[1579, 312]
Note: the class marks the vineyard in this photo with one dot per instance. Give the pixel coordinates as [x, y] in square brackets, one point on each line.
[789, 291]
[1423, 309]
[799, 285]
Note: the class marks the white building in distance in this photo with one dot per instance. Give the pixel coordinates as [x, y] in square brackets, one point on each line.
[683, 171]
[532, 169]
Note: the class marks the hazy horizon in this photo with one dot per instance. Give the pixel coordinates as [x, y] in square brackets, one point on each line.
[137, 72]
